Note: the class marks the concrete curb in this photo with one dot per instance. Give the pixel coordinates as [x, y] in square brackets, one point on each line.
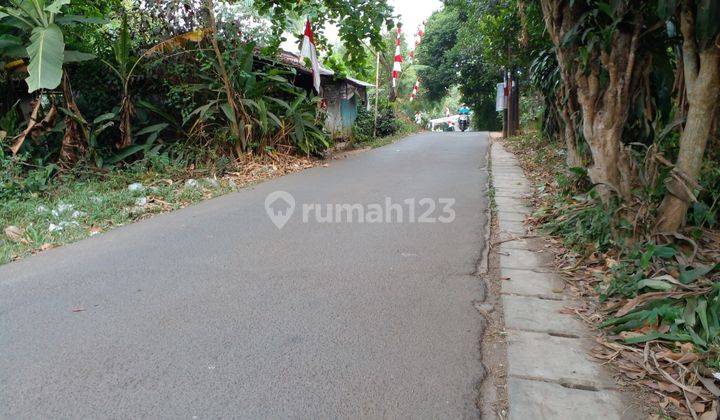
[550, 374]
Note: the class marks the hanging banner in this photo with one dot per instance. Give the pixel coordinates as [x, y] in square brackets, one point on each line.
[415, 91]
[501, 99]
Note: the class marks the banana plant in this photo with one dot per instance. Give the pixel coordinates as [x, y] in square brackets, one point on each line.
[40, 39]
[126, 64]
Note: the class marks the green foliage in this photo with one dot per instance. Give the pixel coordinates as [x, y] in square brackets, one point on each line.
[274, 112]
[439, 54]
[364, 127]
[673, 316]
[39, 32]
[361, 20]
[584, 224]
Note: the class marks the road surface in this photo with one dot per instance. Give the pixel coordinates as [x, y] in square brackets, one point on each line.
[212, 311]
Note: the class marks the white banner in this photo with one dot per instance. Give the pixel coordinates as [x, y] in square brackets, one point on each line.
[501, 100]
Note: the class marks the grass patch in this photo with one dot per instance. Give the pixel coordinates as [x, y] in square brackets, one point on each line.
[76, 206]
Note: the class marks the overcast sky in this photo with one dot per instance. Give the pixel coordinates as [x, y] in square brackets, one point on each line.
[413, 12]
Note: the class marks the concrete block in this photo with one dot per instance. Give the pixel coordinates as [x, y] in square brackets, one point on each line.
[535, 314]
[550, 401]
[531, 283]
[520, 259]
[516, 205]
[514, 227]
[542, 356]
[509, 216]
[513, 241]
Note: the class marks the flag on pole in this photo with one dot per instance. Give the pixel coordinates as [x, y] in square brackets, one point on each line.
[415, 91]
[418, 40]
[310, 52]
[397, 65]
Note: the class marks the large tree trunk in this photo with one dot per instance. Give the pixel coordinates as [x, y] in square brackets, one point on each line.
[702, 81]
[604, 112]
[559, 19]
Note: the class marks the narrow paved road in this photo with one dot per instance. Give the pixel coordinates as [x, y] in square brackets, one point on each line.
[213, 312]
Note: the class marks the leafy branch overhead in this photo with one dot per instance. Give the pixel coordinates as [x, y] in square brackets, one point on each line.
[42, 40]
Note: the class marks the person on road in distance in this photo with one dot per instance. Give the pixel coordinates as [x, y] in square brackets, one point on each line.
[464, 119]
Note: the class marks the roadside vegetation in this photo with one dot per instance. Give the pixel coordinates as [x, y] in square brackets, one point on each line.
[391, 126]
[113, 111]
[619, 109]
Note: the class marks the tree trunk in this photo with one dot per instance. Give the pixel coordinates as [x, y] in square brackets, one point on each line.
[605, 106]
[572, 158]
[559, 20]
[74, 142]
[702, 81]
[126, 113]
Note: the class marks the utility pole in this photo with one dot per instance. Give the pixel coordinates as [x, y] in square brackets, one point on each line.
[506, 124]
[377, 93]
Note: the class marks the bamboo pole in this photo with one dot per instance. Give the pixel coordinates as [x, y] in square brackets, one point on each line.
[377, 93]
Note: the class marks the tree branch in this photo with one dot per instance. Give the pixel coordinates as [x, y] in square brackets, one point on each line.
[687, 27]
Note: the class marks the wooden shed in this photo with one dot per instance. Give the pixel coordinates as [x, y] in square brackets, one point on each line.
[343, 96]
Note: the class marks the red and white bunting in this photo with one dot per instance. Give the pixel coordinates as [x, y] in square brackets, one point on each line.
[416, 90]
[397, 65]
[418, 40]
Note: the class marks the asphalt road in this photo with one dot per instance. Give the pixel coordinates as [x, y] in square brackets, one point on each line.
[212, 311]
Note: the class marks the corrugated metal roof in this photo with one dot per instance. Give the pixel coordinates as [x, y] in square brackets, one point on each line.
[359, 82]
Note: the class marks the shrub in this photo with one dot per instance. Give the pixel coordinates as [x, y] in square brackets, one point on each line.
[387, 124]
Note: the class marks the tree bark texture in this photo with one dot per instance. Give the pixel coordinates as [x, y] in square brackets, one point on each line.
[604, 113]
[559, 18]
[702, 82]
[75, 140]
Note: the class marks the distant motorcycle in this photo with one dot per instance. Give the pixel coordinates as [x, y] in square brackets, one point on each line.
[464, 122]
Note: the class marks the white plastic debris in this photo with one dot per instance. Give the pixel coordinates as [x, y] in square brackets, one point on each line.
[213, 183]
[136, 187]
[716, 375]
[54, 228]
[62, 207]
[192, 183]
[77, 213]
[141, 201]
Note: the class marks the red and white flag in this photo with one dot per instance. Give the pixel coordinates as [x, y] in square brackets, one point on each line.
[416, 90]
[418, 40]
[397, 65]
[310, 52]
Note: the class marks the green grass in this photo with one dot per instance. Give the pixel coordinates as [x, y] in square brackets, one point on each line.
[87, 205]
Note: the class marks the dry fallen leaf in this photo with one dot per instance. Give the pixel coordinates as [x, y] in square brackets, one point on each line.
[45, 247]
